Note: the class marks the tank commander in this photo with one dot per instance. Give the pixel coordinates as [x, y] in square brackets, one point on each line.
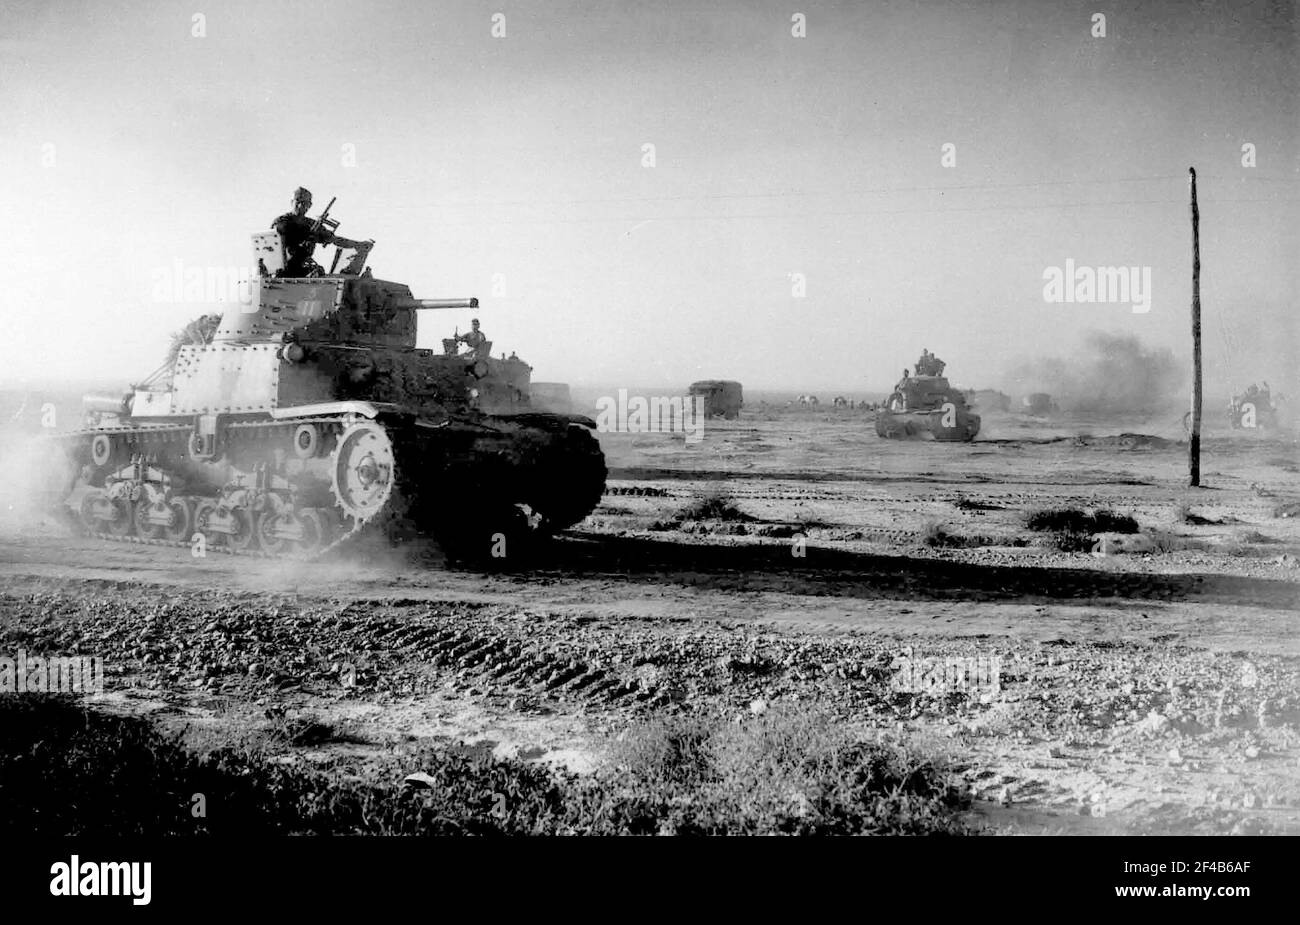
[300, 235]
[475, 339]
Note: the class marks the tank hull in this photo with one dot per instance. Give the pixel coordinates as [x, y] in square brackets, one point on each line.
[961, 425]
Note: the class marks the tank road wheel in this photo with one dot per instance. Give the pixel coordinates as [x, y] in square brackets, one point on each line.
[87, 511]
[203, 511]
[143, 527]
[178, 530]
[362, 471]
[123, 522]
[267, 524]
[245, 535]
[315, 533]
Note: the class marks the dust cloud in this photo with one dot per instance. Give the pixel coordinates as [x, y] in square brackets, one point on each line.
[1110, 374]
[35, 477]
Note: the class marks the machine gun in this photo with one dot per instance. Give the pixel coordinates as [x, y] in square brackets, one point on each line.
[361, 249]
[324, 220]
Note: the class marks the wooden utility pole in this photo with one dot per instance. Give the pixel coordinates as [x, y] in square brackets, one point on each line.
[1194, 448]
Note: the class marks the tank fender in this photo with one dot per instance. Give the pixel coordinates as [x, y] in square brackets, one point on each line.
[546, 418]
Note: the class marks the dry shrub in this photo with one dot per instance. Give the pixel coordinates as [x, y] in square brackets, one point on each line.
[712, 507]
[68, 770]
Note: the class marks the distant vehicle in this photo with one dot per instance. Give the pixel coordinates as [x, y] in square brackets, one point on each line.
[721, 397]
[926, 406]
[1253, 409]
[1039, 404]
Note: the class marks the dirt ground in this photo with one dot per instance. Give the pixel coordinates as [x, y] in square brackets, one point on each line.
[1146, 692]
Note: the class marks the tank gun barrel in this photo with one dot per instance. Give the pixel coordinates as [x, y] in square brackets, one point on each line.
[445, 303]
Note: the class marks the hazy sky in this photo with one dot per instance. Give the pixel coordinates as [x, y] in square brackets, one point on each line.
[128, 144]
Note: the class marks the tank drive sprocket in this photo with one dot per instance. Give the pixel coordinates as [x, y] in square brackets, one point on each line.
[363, 471]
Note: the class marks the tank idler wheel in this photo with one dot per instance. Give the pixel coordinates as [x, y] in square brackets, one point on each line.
[246, 533]
[143, 526]
[123, 522]
[267, 524]
[182, 518]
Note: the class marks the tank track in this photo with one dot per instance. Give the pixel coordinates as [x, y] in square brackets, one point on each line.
[142, 442]
[563, 482]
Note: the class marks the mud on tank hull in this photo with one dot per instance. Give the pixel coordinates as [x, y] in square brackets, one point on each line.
[301, 486]
[926, 425]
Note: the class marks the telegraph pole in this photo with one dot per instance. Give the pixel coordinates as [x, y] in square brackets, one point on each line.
[1194, 448]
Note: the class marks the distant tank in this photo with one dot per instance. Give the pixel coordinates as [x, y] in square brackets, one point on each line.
[1253, 409]
[721, 397]
[551, 396]
[1039, 404]
[309, 417]
[925, 406]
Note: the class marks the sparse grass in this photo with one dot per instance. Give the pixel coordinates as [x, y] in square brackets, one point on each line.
[1168, 541]
[1076, 521]
[788, 771]
[1071, 541]
[936, 536]
[1254, 536]
[712, 507]
[1072, 529]
[72, 771]
[1183, 515]
[962, 503]
[806, 522]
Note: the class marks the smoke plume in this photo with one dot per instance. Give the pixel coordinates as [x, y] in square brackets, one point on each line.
[1111, 374]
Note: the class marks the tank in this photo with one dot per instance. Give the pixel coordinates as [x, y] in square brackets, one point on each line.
[722, 397]
[309, 417]
[924, 406]
[1253, 409]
